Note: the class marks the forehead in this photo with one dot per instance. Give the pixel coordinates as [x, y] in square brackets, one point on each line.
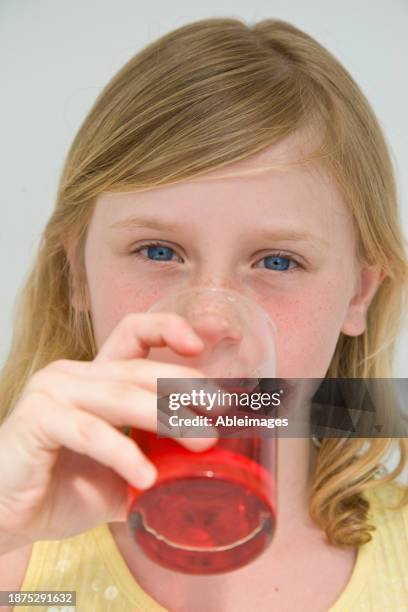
[290, 151]
[273, 183]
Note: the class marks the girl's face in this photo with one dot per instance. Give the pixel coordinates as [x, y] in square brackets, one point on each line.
[284, 238]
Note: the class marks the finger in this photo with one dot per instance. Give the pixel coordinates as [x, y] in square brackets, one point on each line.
[137, 332]
[118, 402]
[49, 428]
[142, 372]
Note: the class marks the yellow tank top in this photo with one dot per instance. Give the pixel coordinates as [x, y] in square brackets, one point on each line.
[92, 565]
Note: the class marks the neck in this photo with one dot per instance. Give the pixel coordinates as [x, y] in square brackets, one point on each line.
[296, 464]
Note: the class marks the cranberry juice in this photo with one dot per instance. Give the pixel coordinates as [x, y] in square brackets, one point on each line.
[208, 512]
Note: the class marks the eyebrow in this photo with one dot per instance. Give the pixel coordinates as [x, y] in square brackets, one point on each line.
[146, 222]
[156, 224]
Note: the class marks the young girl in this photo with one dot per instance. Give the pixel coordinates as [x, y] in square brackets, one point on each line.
[221, 155]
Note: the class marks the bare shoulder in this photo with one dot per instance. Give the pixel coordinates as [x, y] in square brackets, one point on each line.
[13, 566]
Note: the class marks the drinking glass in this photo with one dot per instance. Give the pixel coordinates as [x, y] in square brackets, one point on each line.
[211, 511]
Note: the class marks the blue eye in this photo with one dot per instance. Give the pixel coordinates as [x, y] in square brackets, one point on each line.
[157, 252]
[278, 262]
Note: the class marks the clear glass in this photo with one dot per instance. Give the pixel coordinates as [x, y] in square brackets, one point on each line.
[211, 511]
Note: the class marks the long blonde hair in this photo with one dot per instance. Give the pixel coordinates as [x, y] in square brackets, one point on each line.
[197, 99]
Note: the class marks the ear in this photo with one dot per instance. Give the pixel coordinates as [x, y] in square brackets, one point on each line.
[368, 281]
[76, 302]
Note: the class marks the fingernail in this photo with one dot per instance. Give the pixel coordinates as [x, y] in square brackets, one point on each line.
[201, 444]
[146, 477]
[193, 339]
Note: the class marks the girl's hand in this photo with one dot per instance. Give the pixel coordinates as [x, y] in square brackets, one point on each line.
[64, 465]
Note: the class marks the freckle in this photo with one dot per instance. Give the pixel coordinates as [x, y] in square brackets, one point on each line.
[276, 589]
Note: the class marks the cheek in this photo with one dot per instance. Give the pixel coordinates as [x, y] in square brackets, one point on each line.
[308, 328]
[113, 297]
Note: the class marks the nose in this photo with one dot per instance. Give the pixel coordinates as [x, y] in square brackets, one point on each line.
[214, 329]
[221, 282]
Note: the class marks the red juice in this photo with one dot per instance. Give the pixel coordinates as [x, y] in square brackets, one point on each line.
[208, 512]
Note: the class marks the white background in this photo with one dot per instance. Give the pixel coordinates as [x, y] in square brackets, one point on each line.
[55, 57]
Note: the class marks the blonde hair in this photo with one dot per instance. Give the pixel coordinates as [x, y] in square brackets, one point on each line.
[203, 96]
